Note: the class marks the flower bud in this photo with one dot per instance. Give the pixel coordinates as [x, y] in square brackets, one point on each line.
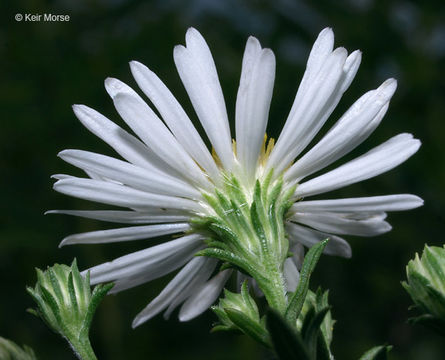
[426, 286]
[11, 351]
[66, 304]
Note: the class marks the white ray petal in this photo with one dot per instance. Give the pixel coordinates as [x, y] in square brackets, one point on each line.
[202, 299]
[375, 162]
[126, 145]
[309, 237]
[363, 204]
[197, 283]
[124, 234]
[198, 74]
[345, 224]
[144, 261]
[322, 48]
[146, 124]
[173, 289]
[308, 115]
[175, 117]
[62, 176]
[129, 174]
[156, 215]
[350, 131]
[121, 195]
[168, 265]
[291, 274]
[252, 104]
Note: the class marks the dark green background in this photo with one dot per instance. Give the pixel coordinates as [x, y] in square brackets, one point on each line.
[46, 67]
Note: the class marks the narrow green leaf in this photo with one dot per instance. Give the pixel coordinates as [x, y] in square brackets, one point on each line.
[312, 330]
[286, 342]
[96, 297]
[248, 326]
[309, 263]
[377, 353]
[248, 300]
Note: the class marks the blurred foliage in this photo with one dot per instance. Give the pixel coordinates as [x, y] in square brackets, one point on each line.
[46, 67]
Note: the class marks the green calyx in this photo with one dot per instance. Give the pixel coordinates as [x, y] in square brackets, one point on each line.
[247, 232]
[67, 305]
[426, 286]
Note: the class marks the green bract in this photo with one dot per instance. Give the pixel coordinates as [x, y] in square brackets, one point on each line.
[247, 232]
[11, 351]
[426, 286]
[240, 312]
[65, 303]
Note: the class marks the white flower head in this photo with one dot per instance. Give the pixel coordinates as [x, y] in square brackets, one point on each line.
[170, 183]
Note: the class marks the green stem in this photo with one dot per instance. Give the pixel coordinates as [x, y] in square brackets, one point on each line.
[83, 349]
[273, 287]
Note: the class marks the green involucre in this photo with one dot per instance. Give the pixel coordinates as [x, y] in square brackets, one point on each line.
[426, 286]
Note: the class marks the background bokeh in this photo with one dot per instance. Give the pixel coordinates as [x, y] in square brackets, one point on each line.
[46, 67]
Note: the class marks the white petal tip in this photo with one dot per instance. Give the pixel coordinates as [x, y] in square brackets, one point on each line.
[341, 52]
[184, 318]
[137, 67]
[137, 322]
[417, 201]
[253, 41]
[79, 109]
[353, 58]
[388, 88]
[63, 243]
[113, 86]
[326, 33]
[193, 34]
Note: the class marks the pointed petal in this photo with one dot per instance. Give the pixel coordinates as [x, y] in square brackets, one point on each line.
[338, 223]
[175, 117]
[253, 103]
[363, 204]
[198, 74]
[375, 162]
[124, 234]
[129, 174]
[178, 285]
[309, 237]
[144, 261]
[350, 131]
[202, 299]
[126, 145]
[322, 48]
[120, 195]
[197, 283]
[128, 217]
[168, 265]
[309, 114]
[146, 124]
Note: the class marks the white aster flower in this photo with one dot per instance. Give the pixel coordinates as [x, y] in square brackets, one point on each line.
[167, 176]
